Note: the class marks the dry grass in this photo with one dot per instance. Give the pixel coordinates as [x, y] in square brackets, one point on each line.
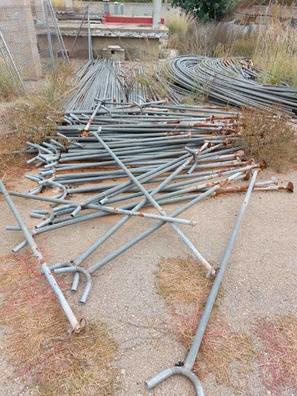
[273, 47]
[276, 53]
[208, 39]
[181, 281]
[227, 355]
[48, 359]
[278, 355]
[34, 117]
[178, 22]
[268, 137]
[149, 82]
[8, 88]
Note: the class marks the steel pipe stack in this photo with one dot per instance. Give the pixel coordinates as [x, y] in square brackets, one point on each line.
[105, 78]
[121, 159]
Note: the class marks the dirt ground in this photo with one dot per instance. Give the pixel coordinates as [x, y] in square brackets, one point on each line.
[260, 281]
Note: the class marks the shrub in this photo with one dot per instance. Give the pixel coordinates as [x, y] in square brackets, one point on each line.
[178, 22]
[268, 137]
[206, 9]
[212, 39]
[276, 53]
[8, 88]
[34, 116]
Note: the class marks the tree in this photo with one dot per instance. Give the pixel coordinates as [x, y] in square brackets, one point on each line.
[205, 9]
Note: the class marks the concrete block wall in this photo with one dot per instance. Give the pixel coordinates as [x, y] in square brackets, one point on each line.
[131, 9]
[17, 26]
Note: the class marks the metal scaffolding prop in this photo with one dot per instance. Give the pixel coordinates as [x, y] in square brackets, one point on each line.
[186, 369]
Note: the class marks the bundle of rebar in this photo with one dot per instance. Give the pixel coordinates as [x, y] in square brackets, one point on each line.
[227, 81]
[105, 78]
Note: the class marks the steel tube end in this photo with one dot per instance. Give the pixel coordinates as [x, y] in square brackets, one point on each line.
[80, 327]
[76, 211]
[19, 246]
[75, 282]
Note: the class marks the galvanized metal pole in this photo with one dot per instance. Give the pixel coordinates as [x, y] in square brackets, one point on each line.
[194, 349]
[75, 324]
[90, 45]
[21, 223]
[49, 36]
[157, 4]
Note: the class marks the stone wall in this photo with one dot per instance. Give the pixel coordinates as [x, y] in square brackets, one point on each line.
[16, 24]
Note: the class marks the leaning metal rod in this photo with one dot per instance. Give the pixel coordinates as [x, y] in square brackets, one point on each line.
[194, 349]
[111, 209]
[15, 69]
[180, 233]
[75, 324]
[91, 119]
[27, 234]
[108, 209]
[90, 49]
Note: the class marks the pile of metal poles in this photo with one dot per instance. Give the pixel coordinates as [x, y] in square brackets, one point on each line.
[121, 160]
[127, 159]
[105, 78]
[227, 81]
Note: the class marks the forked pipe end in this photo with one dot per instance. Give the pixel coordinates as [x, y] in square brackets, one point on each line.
[164, 375]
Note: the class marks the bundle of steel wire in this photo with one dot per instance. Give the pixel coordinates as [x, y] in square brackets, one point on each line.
[231, 81]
